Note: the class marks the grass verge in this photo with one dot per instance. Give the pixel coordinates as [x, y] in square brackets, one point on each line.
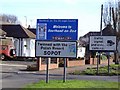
[103, 71]
[73, 84]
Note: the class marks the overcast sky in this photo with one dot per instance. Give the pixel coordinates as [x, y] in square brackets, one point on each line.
[86, 11]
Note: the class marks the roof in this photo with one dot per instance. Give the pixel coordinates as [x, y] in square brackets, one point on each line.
[33, 30]
[91, 34]
[2, 32]
[17, 31]
[108, 31]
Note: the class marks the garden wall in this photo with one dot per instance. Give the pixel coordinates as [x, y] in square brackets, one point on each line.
[43, 66]
[71, 63]
[93, 61]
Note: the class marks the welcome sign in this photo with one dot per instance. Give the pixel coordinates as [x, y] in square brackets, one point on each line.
[57, 29]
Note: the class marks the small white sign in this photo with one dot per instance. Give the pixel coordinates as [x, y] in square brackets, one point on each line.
[56, 49]
[105, 43]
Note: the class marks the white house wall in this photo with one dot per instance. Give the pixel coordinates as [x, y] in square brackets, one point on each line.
[29, 47]
[17, 47]
[32, 47]
[25, 47]
[81, 52]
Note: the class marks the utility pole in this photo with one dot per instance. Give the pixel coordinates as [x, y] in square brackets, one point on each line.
[99, 53]
[101, 19]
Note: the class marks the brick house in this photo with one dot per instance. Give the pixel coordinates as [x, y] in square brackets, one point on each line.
[84, 40]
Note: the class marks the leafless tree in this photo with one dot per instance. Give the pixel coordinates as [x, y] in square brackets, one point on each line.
[7, 18]
[111, 15]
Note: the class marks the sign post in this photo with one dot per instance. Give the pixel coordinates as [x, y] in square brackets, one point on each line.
[47, 70]
[64, 77]
[108, 57]
[98, 54]
[108, 63]
[103, 44]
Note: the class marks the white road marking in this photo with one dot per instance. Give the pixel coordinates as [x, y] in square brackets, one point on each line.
[15, 65]
[26, 72]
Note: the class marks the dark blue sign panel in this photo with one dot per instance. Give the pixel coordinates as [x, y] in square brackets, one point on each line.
[57, 29]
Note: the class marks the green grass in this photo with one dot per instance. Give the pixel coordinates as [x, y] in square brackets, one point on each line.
[114, 70]
[73, 84]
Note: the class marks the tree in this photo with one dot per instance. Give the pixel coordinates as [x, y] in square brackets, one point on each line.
[119, 17]
[7, 18]
[111, 16]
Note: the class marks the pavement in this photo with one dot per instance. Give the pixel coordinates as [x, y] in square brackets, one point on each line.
[20, 68]
[60, 70]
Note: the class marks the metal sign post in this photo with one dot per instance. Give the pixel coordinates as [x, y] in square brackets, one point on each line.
[98, 63]
[47, 70]
[64, 77]
[108, 56]
[108, 64]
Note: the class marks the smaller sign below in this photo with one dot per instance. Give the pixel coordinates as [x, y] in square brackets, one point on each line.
[56, 49]
[102, 43]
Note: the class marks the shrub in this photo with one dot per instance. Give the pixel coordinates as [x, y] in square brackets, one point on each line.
[32, 67]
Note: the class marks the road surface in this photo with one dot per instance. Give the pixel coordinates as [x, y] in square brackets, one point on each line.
[13, 75]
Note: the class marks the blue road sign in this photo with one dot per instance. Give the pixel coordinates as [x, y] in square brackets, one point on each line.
[57, 29]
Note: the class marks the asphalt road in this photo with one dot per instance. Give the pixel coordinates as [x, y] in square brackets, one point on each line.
[13, 77]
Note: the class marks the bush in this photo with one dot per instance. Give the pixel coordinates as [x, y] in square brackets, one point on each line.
[32, 67]
[114, 70]
[103, 71]
[76, 73]
[90, 72]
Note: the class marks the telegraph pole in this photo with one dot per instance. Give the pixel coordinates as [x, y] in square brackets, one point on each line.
[99, 53]
[101, 19]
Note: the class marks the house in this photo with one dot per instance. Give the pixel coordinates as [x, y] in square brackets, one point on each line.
[107, 31]
[2, 33]
[24, 40]
[84, 41]
[33, 30]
